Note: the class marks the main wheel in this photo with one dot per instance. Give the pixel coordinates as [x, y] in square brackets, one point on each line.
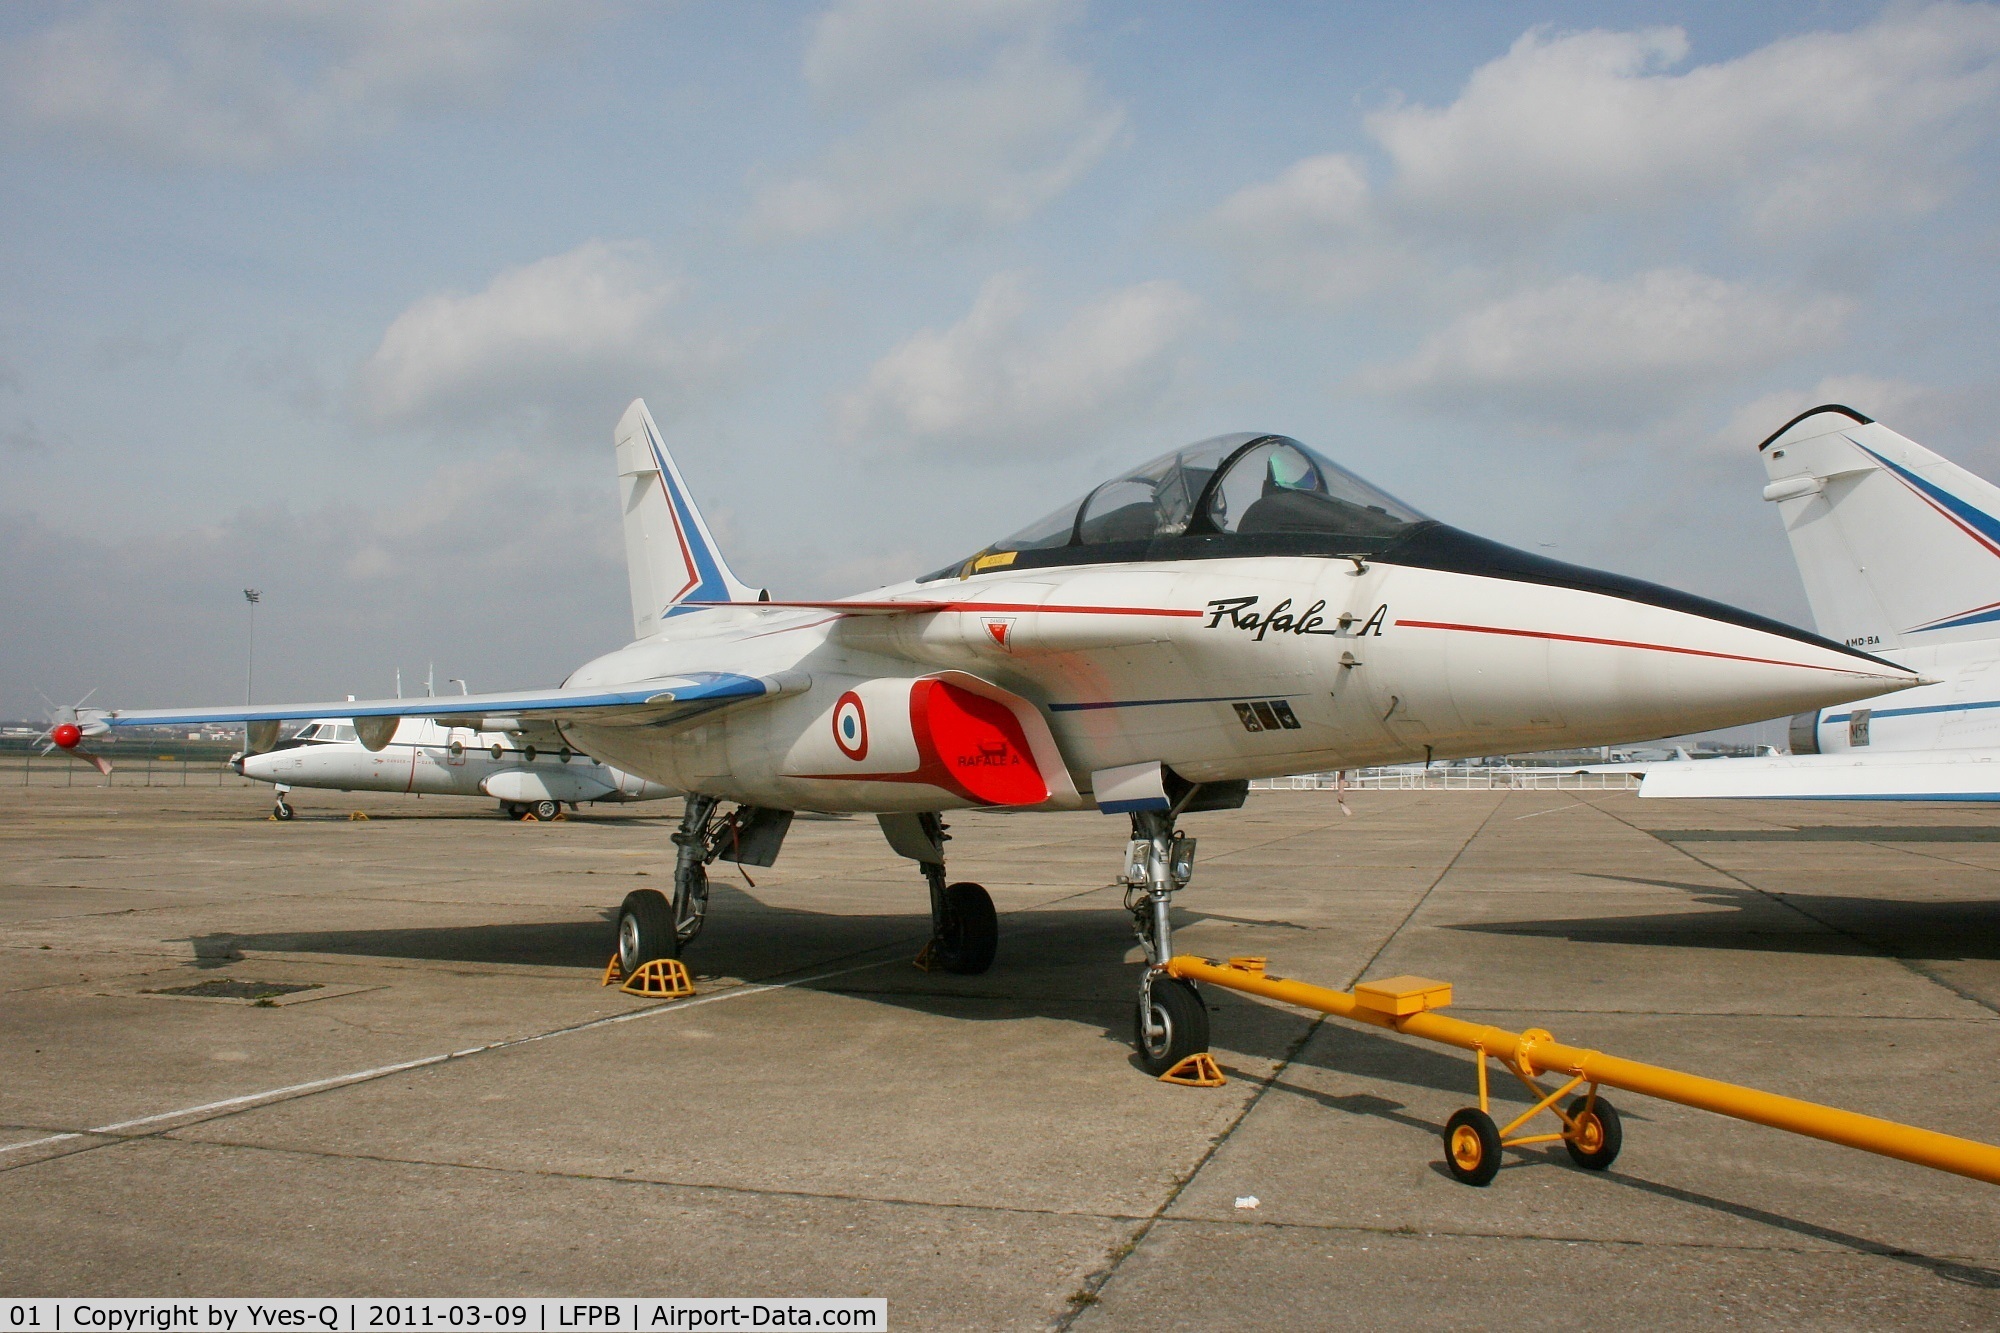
[971, 930]
[645, 930]
[1173, 1027]
[1472, 1146]
[1599, 1136]
[509, 810]
[547, 810]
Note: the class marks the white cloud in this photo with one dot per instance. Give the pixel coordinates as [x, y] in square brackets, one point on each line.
[1583, 347]
[967, 114]
[1806, 135]
[576, 335]
[252, 82]
[1805, 130]
[993, 381]
[1313, 232]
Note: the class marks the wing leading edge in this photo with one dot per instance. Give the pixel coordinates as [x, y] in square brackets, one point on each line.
[661, 702]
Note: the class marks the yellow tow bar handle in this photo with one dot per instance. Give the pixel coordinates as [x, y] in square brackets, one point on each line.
[1409, 1004]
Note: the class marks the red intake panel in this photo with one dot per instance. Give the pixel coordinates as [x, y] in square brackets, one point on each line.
[67, 735]
[977, 743]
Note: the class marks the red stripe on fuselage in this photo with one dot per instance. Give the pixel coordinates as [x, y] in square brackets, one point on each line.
[1624, 643]
[936, 608]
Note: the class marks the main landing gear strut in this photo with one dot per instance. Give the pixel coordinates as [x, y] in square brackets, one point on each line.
[651, 925]
[964, 930]
[1171, 1022]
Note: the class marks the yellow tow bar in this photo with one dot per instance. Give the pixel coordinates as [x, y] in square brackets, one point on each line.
[1590, 1127]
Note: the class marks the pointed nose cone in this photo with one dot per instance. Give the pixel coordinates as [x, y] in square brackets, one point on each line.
[1638, 663]
[1672, 670]
[1498, 649]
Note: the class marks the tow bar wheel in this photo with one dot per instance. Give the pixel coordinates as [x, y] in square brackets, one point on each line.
[1595, 1136]
[1472, 1146]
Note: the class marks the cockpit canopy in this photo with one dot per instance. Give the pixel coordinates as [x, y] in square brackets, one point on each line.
[1235, 494]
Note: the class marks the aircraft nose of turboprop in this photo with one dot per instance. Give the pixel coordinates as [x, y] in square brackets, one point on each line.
[1674, 664]
[259, 766]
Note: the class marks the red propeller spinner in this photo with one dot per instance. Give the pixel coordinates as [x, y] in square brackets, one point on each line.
[66, 735]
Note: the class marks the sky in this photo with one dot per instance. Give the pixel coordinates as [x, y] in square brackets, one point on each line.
[341, 300]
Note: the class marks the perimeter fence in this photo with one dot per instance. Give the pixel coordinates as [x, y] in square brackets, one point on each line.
[1453, 778]
[32, 770]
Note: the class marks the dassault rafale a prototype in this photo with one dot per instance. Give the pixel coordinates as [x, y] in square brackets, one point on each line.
[1234, 609]
[429, 758]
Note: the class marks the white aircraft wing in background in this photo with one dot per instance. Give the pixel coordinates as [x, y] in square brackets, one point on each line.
[1932, 775]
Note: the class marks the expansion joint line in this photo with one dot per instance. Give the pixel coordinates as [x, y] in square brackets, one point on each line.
[1097, 1281]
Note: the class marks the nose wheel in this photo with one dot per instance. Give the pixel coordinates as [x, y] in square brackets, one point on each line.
[1171, 1023]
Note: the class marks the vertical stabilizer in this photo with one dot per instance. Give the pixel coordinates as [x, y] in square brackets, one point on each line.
[1897, 546]
[669, 554]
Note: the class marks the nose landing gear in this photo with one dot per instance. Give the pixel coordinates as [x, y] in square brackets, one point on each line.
[1171, 1021]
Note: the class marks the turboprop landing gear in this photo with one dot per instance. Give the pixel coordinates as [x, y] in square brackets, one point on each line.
[965, 932]
[279, 809]
[1171, 1021]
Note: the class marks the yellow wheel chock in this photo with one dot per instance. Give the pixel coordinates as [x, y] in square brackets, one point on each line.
[357, 817]
[1196, 1071]
[613, 972]
[661, 979]
[927, 959]
[1591, 1130]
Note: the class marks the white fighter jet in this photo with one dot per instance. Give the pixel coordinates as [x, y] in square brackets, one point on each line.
[1900, 553]
[436, 759]
[1234, 609]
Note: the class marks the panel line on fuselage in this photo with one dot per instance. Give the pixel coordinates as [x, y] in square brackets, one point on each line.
[1154, 703]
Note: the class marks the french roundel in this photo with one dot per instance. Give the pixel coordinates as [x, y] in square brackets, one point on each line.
[850, 726]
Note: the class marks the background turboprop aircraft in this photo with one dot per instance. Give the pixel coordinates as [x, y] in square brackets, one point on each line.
[439, 760]
[1900, 553]
[1237, 608]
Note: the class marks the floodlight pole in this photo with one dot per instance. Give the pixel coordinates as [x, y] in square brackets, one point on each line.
[252, 596]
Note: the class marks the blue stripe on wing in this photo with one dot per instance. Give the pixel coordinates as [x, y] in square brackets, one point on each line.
[697, 687]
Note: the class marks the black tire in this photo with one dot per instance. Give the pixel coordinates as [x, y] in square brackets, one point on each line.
[645, 930]
[1599, 1135]
[508, 810]
[971, 931]
[1472, 1146]
[281, 811]
[1178, 1026]
[546, 810]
